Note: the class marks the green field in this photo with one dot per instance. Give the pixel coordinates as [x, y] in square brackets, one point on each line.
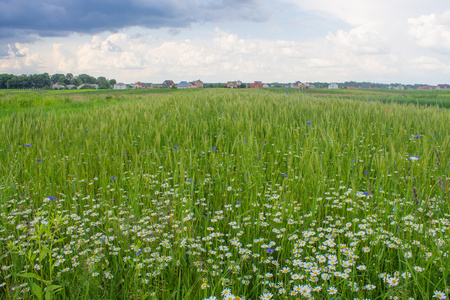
[225, 194]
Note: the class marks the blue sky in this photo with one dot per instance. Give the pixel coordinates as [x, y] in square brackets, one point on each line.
[404, 41]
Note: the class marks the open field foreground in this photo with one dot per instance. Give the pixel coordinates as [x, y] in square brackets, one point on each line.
[223, 194]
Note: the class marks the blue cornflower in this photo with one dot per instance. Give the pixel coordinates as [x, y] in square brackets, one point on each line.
[213, 148]
[139, 252]
[269, 250]
[51, 198]
[284, 175]
[27, 145]
[238, 202]
[309, 123]
[113, 177]
[38, 160]
[175, 147]
[365, 172]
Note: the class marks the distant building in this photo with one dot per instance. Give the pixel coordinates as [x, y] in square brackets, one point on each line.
[443, 87]
[333, 86]
[168, 84]
[197, 84]
[58, 86]
[396, 87]
[256, 84]
[302, 86]
[184, 85]
[426, 87]
[141, 85]
[137, 85]
[120, 86]
[233, 84]
[88, 86]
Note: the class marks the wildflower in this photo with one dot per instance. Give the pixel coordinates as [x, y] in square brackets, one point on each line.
[204, 285]
[418, 269]
[266, 296]
[439, 295]
[113, 177]
[38, 160]
[309, 123]
[332, 290]
[269, 250]
[392, 281]
[175, 147]
[108, 274]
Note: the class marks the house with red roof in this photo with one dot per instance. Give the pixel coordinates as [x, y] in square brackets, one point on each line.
[443, 87]
[256, 85]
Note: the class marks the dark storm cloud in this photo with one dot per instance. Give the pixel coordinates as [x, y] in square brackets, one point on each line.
[22, 18]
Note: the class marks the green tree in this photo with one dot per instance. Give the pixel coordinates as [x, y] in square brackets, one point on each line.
[112, 82]
[87, 79]
[58, 78]
[4, 78]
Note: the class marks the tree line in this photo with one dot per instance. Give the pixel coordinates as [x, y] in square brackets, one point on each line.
[45, 81]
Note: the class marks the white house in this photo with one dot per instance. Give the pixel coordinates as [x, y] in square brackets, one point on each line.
[120, 86]
[58, 86]
[88, 85]
[333, 86]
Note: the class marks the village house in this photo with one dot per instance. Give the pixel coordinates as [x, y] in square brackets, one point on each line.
[302, 86]
[141, 85]
[168, 84]
[185, 85]
[257, 84]
[426, 87]
[233, 84]
[120, 86]
[333, 86]
[58, 86]
[137, 85]
[443, 87]
[396, 87]
[197, 84]
[88, 85]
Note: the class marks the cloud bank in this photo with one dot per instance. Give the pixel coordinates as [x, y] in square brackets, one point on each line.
[44, 18]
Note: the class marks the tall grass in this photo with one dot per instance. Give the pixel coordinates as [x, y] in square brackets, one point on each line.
[254, 194]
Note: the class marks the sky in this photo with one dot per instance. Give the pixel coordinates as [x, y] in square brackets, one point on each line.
[383, 41]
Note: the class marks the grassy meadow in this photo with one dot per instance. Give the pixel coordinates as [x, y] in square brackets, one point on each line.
[224, 194]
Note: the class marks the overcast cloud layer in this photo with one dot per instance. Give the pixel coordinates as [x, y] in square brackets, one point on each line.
[322, 40]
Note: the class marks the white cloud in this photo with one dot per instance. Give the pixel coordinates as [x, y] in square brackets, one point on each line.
[20, 59]
[431, 31]
[426, 63]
